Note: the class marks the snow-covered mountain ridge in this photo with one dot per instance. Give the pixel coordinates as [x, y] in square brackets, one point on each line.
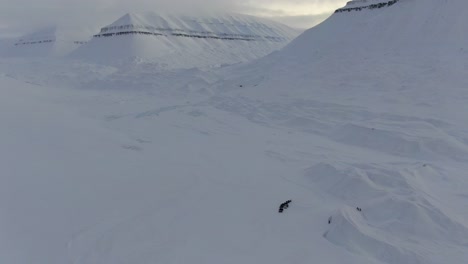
[48, 35]
[48, 42]
[181, 41]
[171, 41]
[359, 5]
[427, 28]
[225, 28]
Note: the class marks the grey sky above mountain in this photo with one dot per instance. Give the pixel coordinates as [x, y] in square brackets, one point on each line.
[17, 16]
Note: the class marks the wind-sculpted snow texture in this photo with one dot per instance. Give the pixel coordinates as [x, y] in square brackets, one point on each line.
[184, 41]
[137, 164]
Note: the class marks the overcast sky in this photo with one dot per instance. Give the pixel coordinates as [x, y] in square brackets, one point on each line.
[21, 16]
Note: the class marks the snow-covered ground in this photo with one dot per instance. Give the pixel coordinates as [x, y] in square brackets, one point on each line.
[138, 164]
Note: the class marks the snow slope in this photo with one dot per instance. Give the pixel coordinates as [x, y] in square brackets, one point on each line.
[391, 81]
[186, 41]
[432, 27]
[167, 181]
[104, 164]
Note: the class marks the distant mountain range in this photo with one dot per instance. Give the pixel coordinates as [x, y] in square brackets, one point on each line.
[172, 41]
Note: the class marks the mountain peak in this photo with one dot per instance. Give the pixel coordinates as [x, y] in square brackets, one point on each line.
[428, 27]
[187, 41]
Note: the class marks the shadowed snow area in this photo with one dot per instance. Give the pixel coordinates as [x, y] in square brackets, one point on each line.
[142, 163]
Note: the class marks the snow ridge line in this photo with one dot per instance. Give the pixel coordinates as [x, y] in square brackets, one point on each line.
[373, 6]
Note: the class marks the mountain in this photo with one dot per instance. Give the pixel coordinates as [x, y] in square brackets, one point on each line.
[49, 42]
[388, 78]
[396, 26]
[414, 33]
[186, 41]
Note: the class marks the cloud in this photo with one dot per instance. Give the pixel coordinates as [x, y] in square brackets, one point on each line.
[302, 22]
[302, 14]
[295, 7]
[26, 15]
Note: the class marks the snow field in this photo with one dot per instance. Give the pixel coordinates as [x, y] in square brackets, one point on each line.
[143, 163]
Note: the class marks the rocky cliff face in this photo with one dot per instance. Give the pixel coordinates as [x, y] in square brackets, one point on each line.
[359, 5]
